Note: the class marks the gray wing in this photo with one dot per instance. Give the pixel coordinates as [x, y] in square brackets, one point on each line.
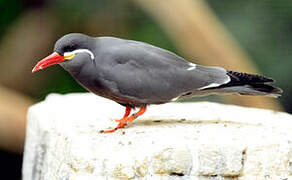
[150, 74]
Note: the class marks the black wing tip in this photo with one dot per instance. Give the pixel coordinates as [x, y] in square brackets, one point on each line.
[239, 77]
[263, 85]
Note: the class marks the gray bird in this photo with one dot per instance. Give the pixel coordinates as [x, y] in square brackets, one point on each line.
[137, 74]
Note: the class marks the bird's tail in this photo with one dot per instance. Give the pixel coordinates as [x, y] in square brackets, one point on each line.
[250, 84]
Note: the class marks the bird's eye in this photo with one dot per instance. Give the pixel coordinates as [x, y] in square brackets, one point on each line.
[69, 48]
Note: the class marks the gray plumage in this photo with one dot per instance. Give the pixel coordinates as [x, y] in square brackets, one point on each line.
[135, 73]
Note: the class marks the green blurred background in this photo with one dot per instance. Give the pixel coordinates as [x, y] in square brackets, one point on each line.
[251, 36]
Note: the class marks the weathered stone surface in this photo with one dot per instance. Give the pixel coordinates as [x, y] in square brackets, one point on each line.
[225, 161]
[203, 141]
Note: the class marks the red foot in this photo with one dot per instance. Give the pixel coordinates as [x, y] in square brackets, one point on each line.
[125, 120]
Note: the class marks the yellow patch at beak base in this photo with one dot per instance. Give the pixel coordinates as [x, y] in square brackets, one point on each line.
[71, 56]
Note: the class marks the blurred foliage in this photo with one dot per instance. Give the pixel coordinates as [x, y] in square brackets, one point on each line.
[9, 11]
[263, 29]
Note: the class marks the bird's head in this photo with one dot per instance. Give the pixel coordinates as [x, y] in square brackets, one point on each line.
[70, 50]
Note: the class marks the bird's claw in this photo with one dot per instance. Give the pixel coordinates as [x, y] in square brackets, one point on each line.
[126, 119]
[119, 126]
[122, 123]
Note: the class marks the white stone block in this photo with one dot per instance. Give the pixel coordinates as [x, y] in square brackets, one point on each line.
[225, 161]
[201, 141]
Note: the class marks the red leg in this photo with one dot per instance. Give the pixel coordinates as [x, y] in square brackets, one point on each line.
[136, 115]
[127, 113]
[126, 119]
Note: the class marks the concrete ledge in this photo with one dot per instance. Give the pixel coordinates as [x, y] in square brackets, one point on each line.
[204, 141]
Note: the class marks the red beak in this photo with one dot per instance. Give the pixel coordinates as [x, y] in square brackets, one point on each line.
[50, 60]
